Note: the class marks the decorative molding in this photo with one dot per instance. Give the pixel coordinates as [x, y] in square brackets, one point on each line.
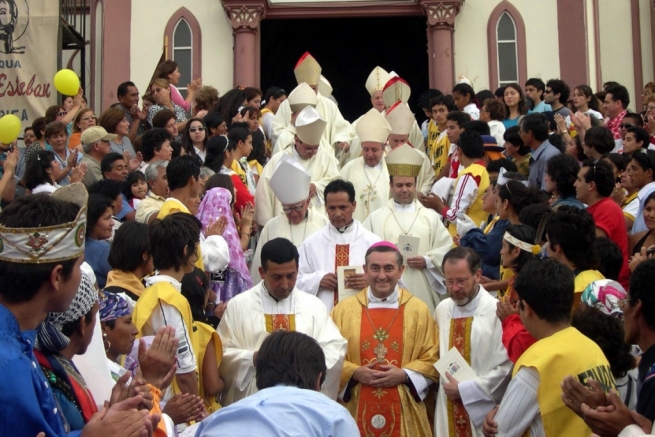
[342, 9]
[506, 6]
[245, 17]
[442, 13]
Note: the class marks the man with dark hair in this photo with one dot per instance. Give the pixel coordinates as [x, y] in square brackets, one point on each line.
[571, 234]
[290, 368]
[415, 227]
[534, 90]
[639, 326]
[610, 257]
[534, 133]
[215, 123]
[392, 346]
[561, 174]
[275, 304]
[533, 400]
[556, 95]
[455, 121]
[128, 102]
[470, 185]
[114, 167]
[184, 196]
[616, 104]
[438, 144]
[594, 186]
[43, 246]
[341, 243]
[467, 321]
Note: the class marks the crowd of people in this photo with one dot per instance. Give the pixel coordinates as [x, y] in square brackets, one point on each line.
[203, 264]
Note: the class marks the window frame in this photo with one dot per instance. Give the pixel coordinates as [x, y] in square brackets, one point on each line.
[499, 11]
[196, 41]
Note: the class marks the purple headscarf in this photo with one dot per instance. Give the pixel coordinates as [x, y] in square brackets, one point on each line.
[215, 204]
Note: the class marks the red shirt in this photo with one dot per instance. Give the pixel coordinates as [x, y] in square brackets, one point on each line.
[610, 219]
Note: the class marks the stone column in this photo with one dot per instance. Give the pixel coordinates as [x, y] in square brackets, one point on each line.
[441, 24]
[245, 19]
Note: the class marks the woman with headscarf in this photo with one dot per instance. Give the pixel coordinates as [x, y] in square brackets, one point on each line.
[236, 278]
[60, 337]
[118, 334]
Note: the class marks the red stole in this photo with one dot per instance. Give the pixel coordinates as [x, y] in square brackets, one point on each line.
[280, 322]
[341, 258]
[459, 424]
[379, 410]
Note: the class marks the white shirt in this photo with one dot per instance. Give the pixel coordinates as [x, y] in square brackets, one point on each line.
[519, 410]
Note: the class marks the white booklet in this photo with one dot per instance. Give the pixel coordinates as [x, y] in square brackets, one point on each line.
[454, 364]
[408, 246]
[342, 273]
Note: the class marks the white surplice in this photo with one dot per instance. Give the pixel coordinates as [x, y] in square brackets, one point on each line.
[279, 226]
[317, 257]
[337, 129]
[371, 185]
[488, 359]
[415, 220]
[322, 168]
[243, 329]
[287, 139]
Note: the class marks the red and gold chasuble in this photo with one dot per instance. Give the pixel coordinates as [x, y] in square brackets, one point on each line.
[280, 322]
[341, 259]
[379, 410]
[460, 337]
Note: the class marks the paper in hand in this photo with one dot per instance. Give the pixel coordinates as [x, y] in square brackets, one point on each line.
[455, 365]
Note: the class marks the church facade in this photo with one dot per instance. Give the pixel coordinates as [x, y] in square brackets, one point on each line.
[491, 42]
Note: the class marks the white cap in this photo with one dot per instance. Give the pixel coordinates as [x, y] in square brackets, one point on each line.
[301, 96]
[377, 80]
[404, 161]
[400, 118]
[310, 126]
[324, 86]
[463, 79]
[373, 127]
[290, 181]
[307, 70]
[396, 89]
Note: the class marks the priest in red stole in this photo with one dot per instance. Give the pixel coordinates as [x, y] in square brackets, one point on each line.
[392, 347]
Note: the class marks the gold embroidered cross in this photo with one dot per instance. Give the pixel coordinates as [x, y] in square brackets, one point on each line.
[380, 352]
[379, 393]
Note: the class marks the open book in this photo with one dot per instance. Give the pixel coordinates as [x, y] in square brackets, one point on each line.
[455, 365]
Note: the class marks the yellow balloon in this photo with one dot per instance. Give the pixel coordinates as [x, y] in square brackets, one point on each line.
[67, 82]
[9, 128]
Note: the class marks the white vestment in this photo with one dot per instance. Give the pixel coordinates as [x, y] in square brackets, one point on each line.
[243, 329]
[337, 129]
[371, 185]
[322, 168]
[415, 139]
[287, 139]
[415, 220]
[426, 176]
[279, 226]
[488, 359]
[317, 257]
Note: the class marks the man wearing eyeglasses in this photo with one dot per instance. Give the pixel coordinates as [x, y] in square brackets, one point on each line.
[467, 321]
[291, 184]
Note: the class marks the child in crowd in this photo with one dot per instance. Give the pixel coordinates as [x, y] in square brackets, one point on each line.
[136, 188]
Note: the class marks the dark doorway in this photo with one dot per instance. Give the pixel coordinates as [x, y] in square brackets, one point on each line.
[347, 49]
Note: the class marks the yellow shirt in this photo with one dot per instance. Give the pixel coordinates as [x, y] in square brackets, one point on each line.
[564, 353]
[474, 211]
[437, 148]
[172, 206]
[206, 334]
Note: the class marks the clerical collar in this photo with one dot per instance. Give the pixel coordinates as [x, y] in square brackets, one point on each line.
[404, 207]
[270, 295]
[348, 227]
[389, 300]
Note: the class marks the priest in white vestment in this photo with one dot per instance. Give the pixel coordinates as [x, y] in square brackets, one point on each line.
[290, 183]
[368, 173]
[400, 119]
[337, 130]
[319, 163]
[272, 305]
[467, 321]
[403, 215]
[343, 242]
[301, 96]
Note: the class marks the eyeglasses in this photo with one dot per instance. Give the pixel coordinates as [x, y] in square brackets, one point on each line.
[288, 209]
[61, 114]
[547, 91]
[626, 125]
[197, 129]
[449, 283]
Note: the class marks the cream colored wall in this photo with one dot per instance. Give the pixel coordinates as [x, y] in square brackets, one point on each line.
[646, 41]
[471, 49]
[148, 26]
[591, 45]
[616, 60]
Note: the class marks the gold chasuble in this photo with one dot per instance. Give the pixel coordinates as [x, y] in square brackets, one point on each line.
[460, 338]
[405, 337]
[341, 259]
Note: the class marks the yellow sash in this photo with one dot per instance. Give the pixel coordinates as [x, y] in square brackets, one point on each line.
[460, 338]
[564, 353]
[475, 208]
[172, 206]
[379, 413]
[167, 293]
[205, 334]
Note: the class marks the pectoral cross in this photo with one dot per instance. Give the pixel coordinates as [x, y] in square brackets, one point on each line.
[380, 352]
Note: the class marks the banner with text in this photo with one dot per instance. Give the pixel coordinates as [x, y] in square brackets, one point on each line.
[28, 57]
